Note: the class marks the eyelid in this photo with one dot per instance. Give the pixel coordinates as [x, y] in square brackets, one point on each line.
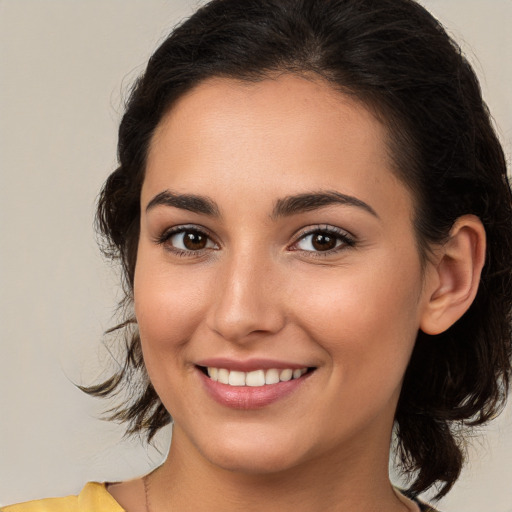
[348, 240]
[166, 234]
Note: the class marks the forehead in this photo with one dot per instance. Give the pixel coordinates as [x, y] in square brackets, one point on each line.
[286, 135]
[287, 109]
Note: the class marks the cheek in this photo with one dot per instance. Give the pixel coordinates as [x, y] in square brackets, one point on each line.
[365, 319]
[168, 310]
[168, 305]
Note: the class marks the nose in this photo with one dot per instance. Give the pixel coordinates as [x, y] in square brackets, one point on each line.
[248, 301]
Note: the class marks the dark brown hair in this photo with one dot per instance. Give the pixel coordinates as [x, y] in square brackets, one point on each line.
[397, 59]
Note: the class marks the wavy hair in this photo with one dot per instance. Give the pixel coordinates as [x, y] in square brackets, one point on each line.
[397, 59]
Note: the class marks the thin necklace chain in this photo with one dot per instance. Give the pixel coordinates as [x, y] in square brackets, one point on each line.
[145, 481]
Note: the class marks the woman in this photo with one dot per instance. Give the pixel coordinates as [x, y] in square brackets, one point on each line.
[314, 223]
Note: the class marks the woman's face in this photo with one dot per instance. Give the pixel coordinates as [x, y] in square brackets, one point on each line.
[276, 243]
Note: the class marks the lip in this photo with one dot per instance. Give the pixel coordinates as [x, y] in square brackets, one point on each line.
[249, 365]
[250, 398]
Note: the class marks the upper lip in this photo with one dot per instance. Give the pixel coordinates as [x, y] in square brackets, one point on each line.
[249, 365]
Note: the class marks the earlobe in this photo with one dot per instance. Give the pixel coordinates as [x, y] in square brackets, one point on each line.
[457, 275]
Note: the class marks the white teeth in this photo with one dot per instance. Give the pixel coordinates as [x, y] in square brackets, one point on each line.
[286, 375]
[236, 378]
[223, 376]
[272, 376]
[255, 378]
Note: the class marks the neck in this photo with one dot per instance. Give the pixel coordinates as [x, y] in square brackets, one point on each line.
[187, 481]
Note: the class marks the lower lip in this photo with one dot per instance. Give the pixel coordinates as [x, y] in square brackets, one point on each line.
[247, 397]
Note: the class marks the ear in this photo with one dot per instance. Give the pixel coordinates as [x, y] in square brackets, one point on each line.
[453, 282]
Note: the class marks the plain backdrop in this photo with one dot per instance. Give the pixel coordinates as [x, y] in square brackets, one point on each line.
[65, 67]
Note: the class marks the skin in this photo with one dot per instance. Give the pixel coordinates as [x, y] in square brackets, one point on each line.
[260, 289]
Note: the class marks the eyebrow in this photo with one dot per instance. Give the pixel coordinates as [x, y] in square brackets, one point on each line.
[292, 205]
[190, 202]
[284, 207]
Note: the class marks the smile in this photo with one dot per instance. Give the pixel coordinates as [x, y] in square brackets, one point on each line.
[253, 389]
[256, 378]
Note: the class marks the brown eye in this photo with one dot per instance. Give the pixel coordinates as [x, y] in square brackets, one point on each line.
[189, 240]
[323, 241]
[194, 241]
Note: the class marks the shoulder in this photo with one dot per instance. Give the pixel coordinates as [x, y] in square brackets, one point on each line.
[94, 497]
[68, 504]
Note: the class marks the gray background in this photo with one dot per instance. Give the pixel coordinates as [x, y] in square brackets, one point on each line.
[64, 68]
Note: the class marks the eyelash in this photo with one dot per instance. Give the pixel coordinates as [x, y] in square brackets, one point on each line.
[165, 237]
[343, 240]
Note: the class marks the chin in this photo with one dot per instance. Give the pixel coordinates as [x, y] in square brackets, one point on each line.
[252, 456]
[247, 464]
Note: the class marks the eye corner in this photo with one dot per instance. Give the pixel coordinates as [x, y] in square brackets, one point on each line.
[335, 240]
[198, 242]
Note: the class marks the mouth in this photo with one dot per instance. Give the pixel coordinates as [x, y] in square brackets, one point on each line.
[255, 378]
[252, 383]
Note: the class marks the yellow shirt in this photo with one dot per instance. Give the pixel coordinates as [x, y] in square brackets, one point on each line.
[94, 497]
